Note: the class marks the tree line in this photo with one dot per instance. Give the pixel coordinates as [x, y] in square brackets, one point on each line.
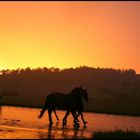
[82, 75]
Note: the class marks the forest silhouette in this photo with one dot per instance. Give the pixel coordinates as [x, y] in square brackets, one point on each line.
[110, 90]
[54, 76]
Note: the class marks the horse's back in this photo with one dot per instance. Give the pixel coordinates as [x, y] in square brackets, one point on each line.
[57, 100]
[55, 95]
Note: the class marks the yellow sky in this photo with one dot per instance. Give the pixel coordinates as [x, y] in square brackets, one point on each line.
[69, 34]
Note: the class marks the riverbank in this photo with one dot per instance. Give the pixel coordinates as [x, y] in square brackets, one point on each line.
[98, 103]
[86, 110]
[114, 101]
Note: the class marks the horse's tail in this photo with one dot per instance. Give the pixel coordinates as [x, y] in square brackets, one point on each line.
[44, 108]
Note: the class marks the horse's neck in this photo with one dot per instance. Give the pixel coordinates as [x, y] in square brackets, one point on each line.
[75, 96]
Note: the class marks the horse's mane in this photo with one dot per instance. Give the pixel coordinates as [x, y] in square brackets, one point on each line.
[76, 93]
[76, 89]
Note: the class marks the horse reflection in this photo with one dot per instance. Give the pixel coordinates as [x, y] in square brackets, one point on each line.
[70, 102]
[75, 133]
[56, 132]
[51, 133]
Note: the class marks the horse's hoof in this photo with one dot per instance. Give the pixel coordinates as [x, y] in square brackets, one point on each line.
[74, 122]
[64, 123]
[51, 123]
[64, 120]
[78, 120]
[85, 122]
[85, 126]
[76, 125]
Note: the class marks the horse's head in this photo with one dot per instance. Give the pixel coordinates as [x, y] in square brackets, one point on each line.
[84, 94]
[81, 93]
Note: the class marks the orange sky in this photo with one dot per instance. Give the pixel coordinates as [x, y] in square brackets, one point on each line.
[69, 34]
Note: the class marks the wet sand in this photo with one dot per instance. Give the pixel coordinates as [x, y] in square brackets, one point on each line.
[16, 131]
[23, 123]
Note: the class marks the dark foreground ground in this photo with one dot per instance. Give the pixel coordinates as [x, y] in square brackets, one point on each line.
[117, 134]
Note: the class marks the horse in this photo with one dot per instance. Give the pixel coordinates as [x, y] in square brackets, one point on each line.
[79, 108]
[69, 102]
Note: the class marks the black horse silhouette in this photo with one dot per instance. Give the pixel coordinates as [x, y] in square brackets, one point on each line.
[79, 109]
[70, 102]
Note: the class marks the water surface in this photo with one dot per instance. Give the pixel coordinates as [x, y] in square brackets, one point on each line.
[19, 122]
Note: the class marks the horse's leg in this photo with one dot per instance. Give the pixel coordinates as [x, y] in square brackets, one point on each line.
[50, 117]
[44, 108]
[56, 115]
[74, 116]
[82, 116]
[65, 118]
[76, 124]
[78, 116]
[43, 111]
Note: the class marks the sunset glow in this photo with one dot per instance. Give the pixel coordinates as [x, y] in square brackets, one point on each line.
[69, 34]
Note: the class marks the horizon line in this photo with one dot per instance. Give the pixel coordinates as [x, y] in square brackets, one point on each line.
[74, 67]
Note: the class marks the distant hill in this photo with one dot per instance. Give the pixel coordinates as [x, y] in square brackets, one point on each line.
[86, 76]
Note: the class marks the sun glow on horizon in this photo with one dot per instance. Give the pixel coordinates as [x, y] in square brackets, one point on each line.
[70, 34]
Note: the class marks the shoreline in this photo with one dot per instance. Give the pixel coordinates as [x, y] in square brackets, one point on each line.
[86, 111]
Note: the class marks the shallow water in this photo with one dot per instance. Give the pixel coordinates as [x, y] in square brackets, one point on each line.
[19, 122]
